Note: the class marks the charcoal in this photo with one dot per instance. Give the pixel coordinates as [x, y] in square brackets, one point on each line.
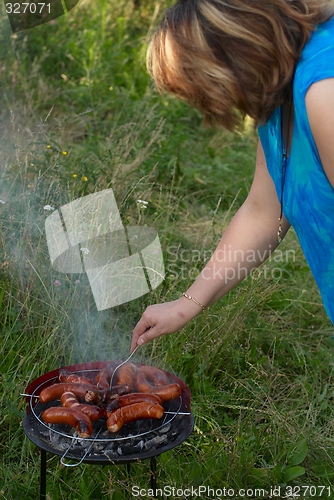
[155, 442]
[80, 443]
[140, 445]
[64, 446]
[165, 429]
[54, 437]
[98, 446]
[43, 431]
[130, 448]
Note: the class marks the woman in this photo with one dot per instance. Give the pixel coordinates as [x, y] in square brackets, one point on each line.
[272, 60]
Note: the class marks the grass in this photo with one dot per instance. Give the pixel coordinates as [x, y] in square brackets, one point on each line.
[259, 363]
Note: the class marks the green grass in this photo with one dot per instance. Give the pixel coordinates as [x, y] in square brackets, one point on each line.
[259, 363]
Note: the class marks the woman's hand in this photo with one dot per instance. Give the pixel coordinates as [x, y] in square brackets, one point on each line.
[161, 319]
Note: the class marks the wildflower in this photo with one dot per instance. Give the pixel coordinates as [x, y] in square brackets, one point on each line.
[75, 176]
[142, 203]
[64, 153]
[48, 146]
[48, 207]
[57, 283]
[85, 179]
[77, 281]
[2, 202]
[85, 251]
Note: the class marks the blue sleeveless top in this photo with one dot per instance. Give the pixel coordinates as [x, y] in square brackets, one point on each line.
[308, 197]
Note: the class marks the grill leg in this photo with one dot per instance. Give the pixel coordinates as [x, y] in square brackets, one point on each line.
[128, 473]
[42, 480]
[154, 475]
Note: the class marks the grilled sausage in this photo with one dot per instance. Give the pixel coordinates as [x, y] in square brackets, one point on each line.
[69, 416]
[126, 375]
[142, 383]
[56, 390]
[69, 400]
[66, 376]
[133, 397]
[165, 392]
[154, 375]
[133, 412]
[168, 392]
[102, 379]
[92, 411]
[104, 396]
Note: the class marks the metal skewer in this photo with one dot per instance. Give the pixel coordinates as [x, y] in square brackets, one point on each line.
[121, 364]
[177, 413]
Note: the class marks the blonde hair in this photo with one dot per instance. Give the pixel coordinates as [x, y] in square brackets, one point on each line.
[232, 58]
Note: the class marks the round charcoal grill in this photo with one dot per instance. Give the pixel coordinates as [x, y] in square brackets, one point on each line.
[140, 440]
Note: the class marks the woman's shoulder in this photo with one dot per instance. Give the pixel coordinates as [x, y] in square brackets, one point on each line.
[317, 58]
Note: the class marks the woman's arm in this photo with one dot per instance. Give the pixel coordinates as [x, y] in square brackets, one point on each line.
[249, 239]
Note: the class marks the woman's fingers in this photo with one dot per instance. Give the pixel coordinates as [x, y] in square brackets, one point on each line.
[161, 319]
[139, 335]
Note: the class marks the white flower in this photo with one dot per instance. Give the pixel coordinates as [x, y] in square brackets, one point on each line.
[85, 251]
[2, 202]
[142, 203]
[48, 207]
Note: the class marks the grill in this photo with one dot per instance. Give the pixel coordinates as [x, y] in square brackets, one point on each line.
[140, 440]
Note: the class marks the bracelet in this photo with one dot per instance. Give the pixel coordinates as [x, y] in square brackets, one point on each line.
[194, 300]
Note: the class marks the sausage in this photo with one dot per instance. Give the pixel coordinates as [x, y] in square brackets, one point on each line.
[142, 384]
[133, 412]
[154, 375]
[120, 389]
[66, 376]
[166, 392]
[133, 397]
[69, 400]
[103, 396]
[56, 390]
[102, 379]
[69, 416]
[126, 375]
[92, 411]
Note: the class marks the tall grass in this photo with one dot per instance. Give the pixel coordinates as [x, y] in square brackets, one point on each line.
[259, 363]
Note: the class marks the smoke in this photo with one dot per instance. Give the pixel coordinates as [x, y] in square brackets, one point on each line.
[99, 335]
[31, 185]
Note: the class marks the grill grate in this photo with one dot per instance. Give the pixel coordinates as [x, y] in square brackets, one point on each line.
[138, 440]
